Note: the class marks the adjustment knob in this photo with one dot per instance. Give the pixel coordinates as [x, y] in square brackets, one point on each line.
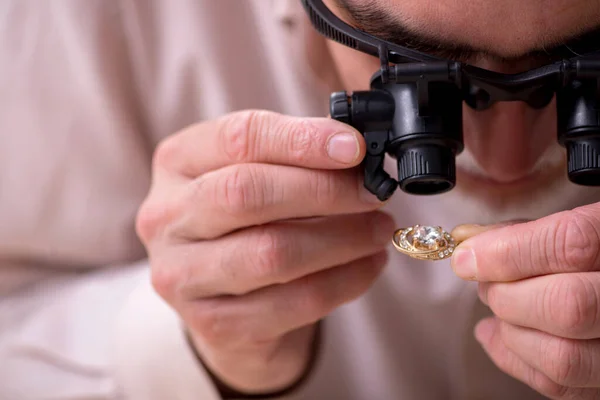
[339, 107]
[426, 169]
[583, 158]
[386, 189]
[578, 112]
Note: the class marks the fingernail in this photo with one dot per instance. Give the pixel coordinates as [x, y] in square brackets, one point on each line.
[343, 148]
[464, 263]
[484, 330]
[383, 229]
[464, 232]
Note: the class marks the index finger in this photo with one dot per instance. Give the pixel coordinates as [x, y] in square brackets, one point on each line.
[261, 137]
[561, 243]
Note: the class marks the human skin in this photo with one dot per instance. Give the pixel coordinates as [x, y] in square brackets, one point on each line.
[233, 247]
[252, 279]
[540, 278]
[509, 147]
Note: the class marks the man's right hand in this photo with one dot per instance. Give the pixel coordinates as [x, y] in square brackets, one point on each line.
[257, 226]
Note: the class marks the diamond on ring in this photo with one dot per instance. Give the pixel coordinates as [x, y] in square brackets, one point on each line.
[424, 242]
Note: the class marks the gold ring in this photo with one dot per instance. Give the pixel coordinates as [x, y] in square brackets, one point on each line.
[424, 242]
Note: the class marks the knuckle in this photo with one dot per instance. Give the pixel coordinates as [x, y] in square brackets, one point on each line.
[577, 240]
[513, 256]
[543, 248]
[547, 386]
[152, 218]
[327, 187]
[521, 257]
[504, 252]
[198, 191]
[241, 134]
[164, 280]
[167, 153]
[272, 255]
[210, 323]
[572, 304]
[240, 191]
[317, 302]
[147, 221]
[566, 363]
[302, 136]
[364, 273]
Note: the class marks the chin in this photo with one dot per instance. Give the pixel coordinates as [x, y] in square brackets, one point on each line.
[545, 190]
[478, 198]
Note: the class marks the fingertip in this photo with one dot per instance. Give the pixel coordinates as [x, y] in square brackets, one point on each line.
[383, 226]
[485, 329]
[464, 263]
[344, 148]
[344, 143]
[381, 259]
[466, 231]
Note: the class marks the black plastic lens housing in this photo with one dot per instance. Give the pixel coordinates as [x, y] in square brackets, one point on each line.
[414, 109]
[578, 117]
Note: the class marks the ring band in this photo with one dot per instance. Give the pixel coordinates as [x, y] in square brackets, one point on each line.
[424, 242]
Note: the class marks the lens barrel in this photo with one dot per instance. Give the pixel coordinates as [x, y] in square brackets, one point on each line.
[426, 136]
[419, 123]
[579, 131]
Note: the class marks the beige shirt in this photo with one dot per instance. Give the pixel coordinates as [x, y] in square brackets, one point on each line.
[87, 89]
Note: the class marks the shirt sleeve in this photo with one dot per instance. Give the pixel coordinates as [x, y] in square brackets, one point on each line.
[103, 335]
[153, 359]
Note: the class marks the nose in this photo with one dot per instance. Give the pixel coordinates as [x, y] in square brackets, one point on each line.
[508, 139]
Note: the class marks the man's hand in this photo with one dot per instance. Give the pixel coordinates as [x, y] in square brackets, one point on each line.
[234, 246]
[541, 279]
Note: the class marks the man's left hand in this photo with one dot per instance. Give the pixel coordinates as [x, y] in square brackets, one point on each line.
[541, 279]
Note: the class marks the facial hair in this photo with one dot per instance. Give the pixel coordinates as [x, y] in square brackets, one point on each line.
[470, 204]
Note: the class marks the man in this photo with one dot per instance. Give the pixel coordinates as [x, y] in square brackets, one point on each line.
[256, 224]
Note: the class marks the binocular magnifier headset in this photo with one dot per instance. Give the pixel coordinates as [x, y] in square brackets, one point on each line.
[413, 111]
